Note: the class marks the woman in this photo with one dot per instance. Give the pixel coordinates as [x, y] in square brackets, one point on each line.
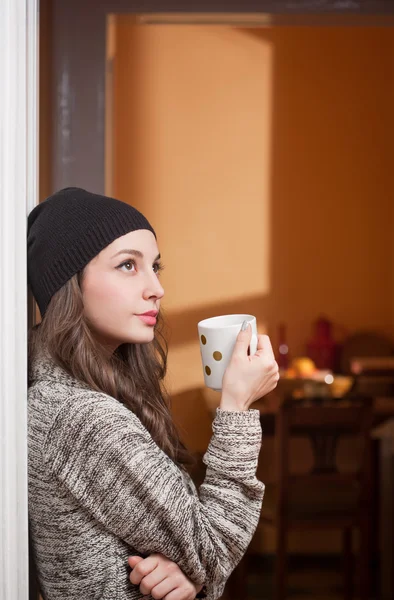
[108, 483]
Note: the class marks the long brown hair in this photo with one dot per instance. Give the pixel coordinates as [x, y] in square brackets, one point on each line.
[133, 374]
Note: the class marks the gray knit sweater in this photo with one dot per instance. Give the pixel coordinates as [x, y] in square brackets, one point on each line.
[100, 490]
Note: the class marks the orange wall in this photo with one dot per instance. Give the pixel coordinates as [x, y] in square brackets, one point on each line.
[200, 155]
[191, 150]
[390, 92]
[332, 188]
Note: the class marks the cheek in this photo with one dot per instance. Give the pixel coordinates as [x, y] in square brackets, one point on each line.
[106, 293]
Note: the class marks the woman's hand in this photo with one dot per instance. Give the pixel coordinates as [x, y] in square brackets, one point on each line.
[161, 578]
[248, 378]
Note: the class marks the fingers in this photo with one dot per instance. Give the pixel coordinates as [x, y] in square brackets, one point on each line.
[180, 594]
[160, 578]
[242, 342]
[134, 560]
[142, 568]
[264, 347]
[162, 589]
[167, 577]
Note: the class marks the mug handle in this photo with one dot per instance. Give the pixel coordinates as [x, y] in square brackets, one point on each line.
[253, 344]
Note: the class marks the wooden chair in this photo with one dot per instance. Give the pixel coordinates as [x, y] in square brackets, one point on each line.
[324, 498]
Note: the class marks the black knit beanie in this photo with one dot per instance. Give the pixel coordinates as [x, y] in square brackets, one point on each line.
[67, 230]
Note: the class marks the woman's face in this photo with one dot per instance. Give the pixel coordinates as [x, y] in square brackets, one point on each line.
[121, 290]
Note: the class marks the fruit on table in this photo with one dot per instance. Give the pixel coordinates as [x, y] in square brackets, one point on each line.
[303, 366]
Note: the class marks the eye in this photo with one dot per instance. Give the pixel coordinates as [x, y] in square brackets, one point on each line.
[157, 267]
[127, 266]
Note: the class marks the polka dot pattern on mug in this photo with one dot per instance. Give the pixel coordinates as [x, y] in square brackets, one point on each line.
[203, 340]
[208, 370]
[217, 355]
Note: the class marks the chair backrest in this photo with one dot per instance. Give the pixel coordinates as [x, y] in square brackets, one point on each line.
[324, 423]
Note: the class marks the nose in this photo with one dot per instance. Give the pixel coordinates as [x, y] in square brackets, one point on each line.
[153, 288]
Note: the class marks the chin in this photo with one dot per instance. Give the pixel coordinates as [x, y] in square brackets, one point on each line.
[142, 337]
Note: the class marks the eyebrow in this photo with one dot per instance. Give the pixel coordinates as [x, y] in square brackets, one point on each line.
[135, 252]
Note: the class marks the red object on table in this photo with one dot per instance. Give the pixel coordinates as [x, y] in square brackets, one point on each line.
[322, 348]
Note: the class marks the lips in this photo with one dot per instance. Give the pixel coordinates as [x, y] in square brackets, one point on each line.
[149, 318]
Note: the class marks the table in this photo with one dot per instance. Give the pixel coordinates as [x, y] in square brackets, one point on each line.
[383, 407]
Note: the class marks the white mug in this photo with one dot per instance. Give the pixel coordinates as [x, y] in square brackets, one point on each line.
[217, 340]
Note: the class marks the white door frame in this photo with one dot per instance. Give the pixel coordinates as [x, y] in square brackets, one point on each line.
[18, 194]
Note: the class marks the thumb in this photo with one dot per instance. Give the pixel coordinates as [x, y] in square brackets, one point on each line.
[264, 347]
[134, 560]
[243, 340]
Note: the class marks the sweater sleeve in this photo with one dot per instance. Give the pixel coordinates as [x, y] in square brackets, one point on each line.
[110, 464]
